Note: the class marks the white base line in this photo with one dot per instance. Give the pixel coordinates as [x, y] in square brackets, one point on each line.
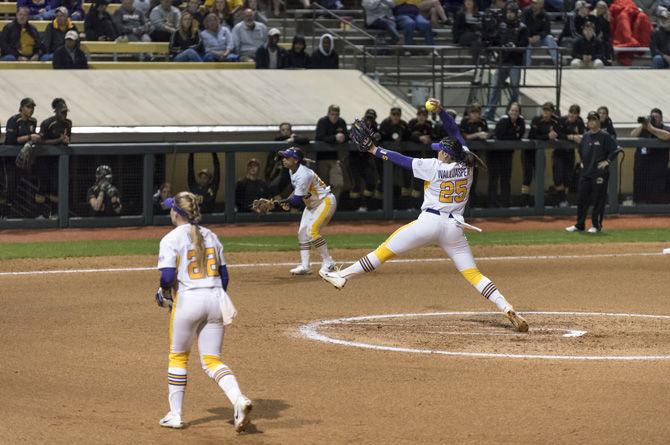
[405, 260]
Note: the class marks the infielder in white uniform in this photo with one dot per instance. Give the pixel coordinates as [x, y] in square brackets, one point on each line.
[447, 182]
[320, 205]
[192, 264]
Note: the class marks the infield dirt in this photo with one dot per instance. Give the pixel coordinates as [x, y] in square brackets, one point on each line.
[84, 355]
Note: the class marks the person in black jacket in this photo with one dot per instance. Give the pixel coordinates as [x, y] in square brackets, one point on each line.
[474, 128]
[659, 44]
[467, 24]
[394, 131]
[185, 43]
[205, 185]
[297, 58]
[512, 34]
[325, 57]
[420, 131]
[11, 44]
[570, 129]
[588, 50]
[605, 121]
[650, 166]
[539, 30]
[98, 23]
[363, 169]
[250, 188]
[510, 127]
[542, 128]
[574, 24]
[271, 56]
[70, 56]
[597, 150]
[276, 175]
[331, 129]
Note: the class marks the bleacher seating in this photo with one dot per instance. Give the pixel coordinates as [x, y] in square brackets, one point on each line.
[10, 7]
[41, 25]
[106, 65]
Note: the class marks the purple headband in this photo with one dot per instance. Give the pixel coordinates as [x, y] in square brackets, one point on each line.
[170, 202]
[439, 147]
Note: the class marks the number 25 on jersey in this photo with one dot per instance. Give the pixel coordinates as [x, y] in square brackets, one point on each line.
[211, 266]
[453, 191]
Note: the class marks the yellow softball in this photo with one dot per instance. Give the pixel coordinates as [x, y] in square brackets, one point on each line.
[430, 106]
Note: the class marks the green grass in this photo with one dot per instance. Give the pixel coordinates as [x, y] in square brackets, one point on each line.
[342, 241]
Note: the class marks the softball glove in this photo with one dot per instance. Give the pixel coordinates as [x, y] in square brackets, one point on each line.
[263, 205]
[362, 135]
[26, 156]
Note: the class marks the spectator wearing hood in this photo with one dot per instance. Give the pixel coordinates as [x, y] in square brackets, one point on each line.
[271, 56]
[54, 34]
[297, 58]
[249, 36]
[325, 57]
[379, 15]
[20, 40]
[130, 23]
[98, 23]
[70, 56]
[409, 18]
[164, 19]
[218, 41]
[74, 9]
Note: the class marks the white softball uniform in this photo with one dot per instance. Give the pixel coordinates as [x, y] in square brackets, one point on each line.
[320, 204]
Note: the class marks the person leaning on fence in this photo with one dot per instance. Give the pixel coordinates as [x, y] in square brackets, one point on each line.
[395, 132]
[331, 129]
[510, 127]
[185, 43]
[379, 15]
[54, 34]
[20, 40]
[605, 121]
[276, 175]
[98, 23]
[597, 150]
[542, 128]
[420, 130]
[204, 185]
[325, 57]
[651, 164]
[251, 187]
[271, 55]
[249, 35]
[103, 197]
[363, 171]
[660, 42]
[164, 20]
[164, 192]
[131, 25]
[570, 129]
[297, 57]
[70, 56]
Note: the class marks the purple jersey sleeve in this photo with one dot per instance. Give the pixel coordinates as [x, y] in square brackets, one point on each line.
[449, 125]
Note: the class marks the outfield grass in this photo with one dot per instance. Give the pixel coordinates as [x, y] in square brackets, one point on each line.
[342, 241]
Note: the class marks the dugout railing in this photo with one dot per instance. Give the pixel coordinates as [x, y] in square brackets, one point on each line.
[143, 166]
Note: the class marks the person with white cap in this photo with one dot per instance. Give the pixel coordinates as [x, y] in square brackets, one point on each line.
[271, 56]
[70, 56]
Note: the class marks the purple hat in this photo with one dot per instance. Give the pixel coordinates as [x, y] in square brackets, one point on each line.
[292, 152]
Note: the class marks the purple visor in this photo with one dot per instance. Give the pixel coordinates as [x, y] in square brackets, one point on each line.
[438, 147]
[291, 153]
[173, 205]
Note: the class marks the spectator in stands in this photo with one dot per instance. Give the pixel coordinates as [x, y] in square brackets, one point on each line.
[144, 6]
[220, 8]
[205, 185]
[54, 34]
[409, 18]
[37, 9]
[331, 4]
[510, 127]
[259, 16]
[542, 128]
[75, 11]
[588, 51]
[512, 34]
[250, 187]
[394, 130]
[70, 56]
[438, 128]
[131, 25]
[420, 131]
[103, 197]
[276, 5]
[249, 35]
[433, 11]
[325, 57]
[605, 121]
[570, 129]
[236, 8]
[660, 42]
[539, 30]
[574, 23]
[164, 192]
[363, 170]
[379, 15]
[601, 19]
[297, 57]
[217, 41]
[474, 128]
[20, 40]
[195, 9]
[331, 129]
[185, 44]
[271, 56]
[651, 164]
[164, 21]
[98, 23]
[370, 118]
[276, 175]
[467, 25]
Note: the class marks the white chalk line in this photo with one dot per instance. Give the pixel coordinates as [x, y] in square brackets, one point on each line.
[568, 332]
[401, 260]
[310, 331]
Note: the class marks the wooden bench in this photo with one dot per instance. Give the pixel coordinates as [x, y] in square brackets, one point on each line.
[41, 25]
[116, 48]
[10, 7]
[137, 65]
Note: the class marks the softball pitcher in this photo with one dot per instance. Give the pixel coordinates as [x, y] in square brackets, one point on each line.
[320, 205]
[191, 262]
[447, 182]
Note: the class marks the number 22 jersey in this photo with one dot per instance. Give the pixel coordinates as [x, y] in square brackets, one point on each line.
[177, 250]
[446, 186]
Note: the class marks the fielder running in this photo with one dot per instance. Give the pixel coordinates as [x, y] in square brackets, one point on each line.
[191, 262]
[447, 182]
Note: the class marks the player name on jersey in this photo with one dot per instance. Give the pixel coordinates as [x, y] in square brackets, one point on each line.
[453, 173]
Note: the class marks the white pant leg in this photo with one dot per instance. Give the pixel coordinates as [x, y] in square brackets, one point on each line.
[424, 230]
[187, 314]
[320, 217]
[455, 245]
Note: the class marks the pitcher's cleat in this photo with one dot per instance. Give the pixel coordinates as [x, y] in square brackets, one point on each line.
[300, 270]
[171, 421]
[243, 407]
[517, 320]
[327, 267]
[333, 278]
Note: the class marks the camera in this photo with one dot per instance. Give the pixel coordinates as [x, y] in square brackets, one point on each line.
[643, 120]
